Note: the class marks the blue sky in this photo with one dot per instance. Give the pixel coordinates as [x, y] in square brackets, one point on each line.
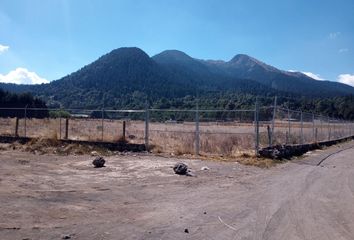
[46, 40]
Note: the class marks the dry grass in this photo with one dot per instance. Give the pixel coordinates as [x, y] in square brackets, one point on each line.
[259, 162]
[53, 146]
[216, 138]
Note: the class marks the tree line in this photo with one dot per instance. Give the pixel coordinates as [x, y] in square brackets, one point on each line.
[11, 102]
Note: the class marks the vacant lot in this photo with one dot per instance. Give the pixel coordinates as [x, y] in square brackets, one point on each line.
[216, 138]
[139, 197]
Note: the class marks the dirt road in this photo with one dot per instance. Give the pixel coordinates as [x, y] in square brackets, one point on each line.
[139, 197]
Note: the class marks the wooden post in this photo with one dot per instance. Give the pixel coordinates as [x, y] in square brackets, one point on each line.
[123, 131]
[147, 126]
[313, 128]
[302, 128]
[59, 127]
[256, 126]
[16, 127]
[329, 129]
[25, 121]
[287, 137]
[66, 128]
[321, 131]
[197, 136]
[273, 121]
[102, 120]
[289, 126]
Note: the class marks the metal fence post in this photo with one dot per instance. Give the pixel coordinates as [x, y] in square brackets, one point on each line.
[272, 136]
[256, 126]
[146, 128]
[197, 133]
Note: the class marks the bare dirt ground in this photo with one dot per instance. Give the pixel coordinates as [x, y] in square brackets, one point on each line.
[139, 197]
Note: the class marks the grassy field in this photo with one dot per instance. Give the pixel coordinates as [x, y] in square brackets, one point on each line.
[216, 138]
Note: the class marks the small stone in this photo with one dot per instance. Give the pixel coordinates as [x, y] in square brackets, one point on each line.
[186, 230]
[205, 168]
[66, 237]
[94, 153]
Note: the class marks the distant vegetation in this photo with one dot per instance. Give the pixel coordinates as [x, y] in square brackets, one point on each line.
[23, 100]
[59, 114]
[336, 107]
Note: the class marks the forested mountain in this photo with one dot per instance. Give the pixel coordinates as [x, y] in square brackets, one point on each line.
[245, 67]
[128, 78]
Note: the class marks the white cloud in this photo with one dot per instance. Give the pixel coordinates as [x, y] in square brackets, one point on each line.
[343, 50]
[313, 75]
[334, 35]
[22, 76]
[309, 74]
[3, 48]
[346, 79]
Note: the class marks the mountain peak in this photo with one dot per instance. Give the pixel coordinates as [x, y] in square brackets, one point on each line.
[248, 61]
[241, 56]
[245, 59]
[172, 55]
[128, 52]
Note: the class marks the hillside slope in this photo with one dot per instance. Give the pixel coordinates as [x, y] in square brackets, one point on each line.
[128, 77]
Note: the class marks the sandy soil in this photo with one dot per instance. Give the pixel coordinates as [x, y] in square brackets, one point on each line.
[139, 197]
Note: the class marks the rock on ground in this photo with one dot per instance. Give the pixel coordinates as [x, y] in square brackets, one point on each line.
[99, 162]
[180, 168]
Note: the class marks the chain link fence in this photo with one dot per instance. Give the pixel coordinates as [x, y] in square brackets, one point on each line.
[206, 132]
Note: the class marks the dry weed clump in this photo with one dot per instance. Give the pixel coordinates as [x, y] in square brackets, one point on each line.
[247, 159]
[226, 144]
[258, 162]
[53, 146]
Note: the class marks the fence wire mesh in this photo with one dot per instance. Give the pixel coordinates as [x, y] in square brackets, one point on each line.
[209, 132]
